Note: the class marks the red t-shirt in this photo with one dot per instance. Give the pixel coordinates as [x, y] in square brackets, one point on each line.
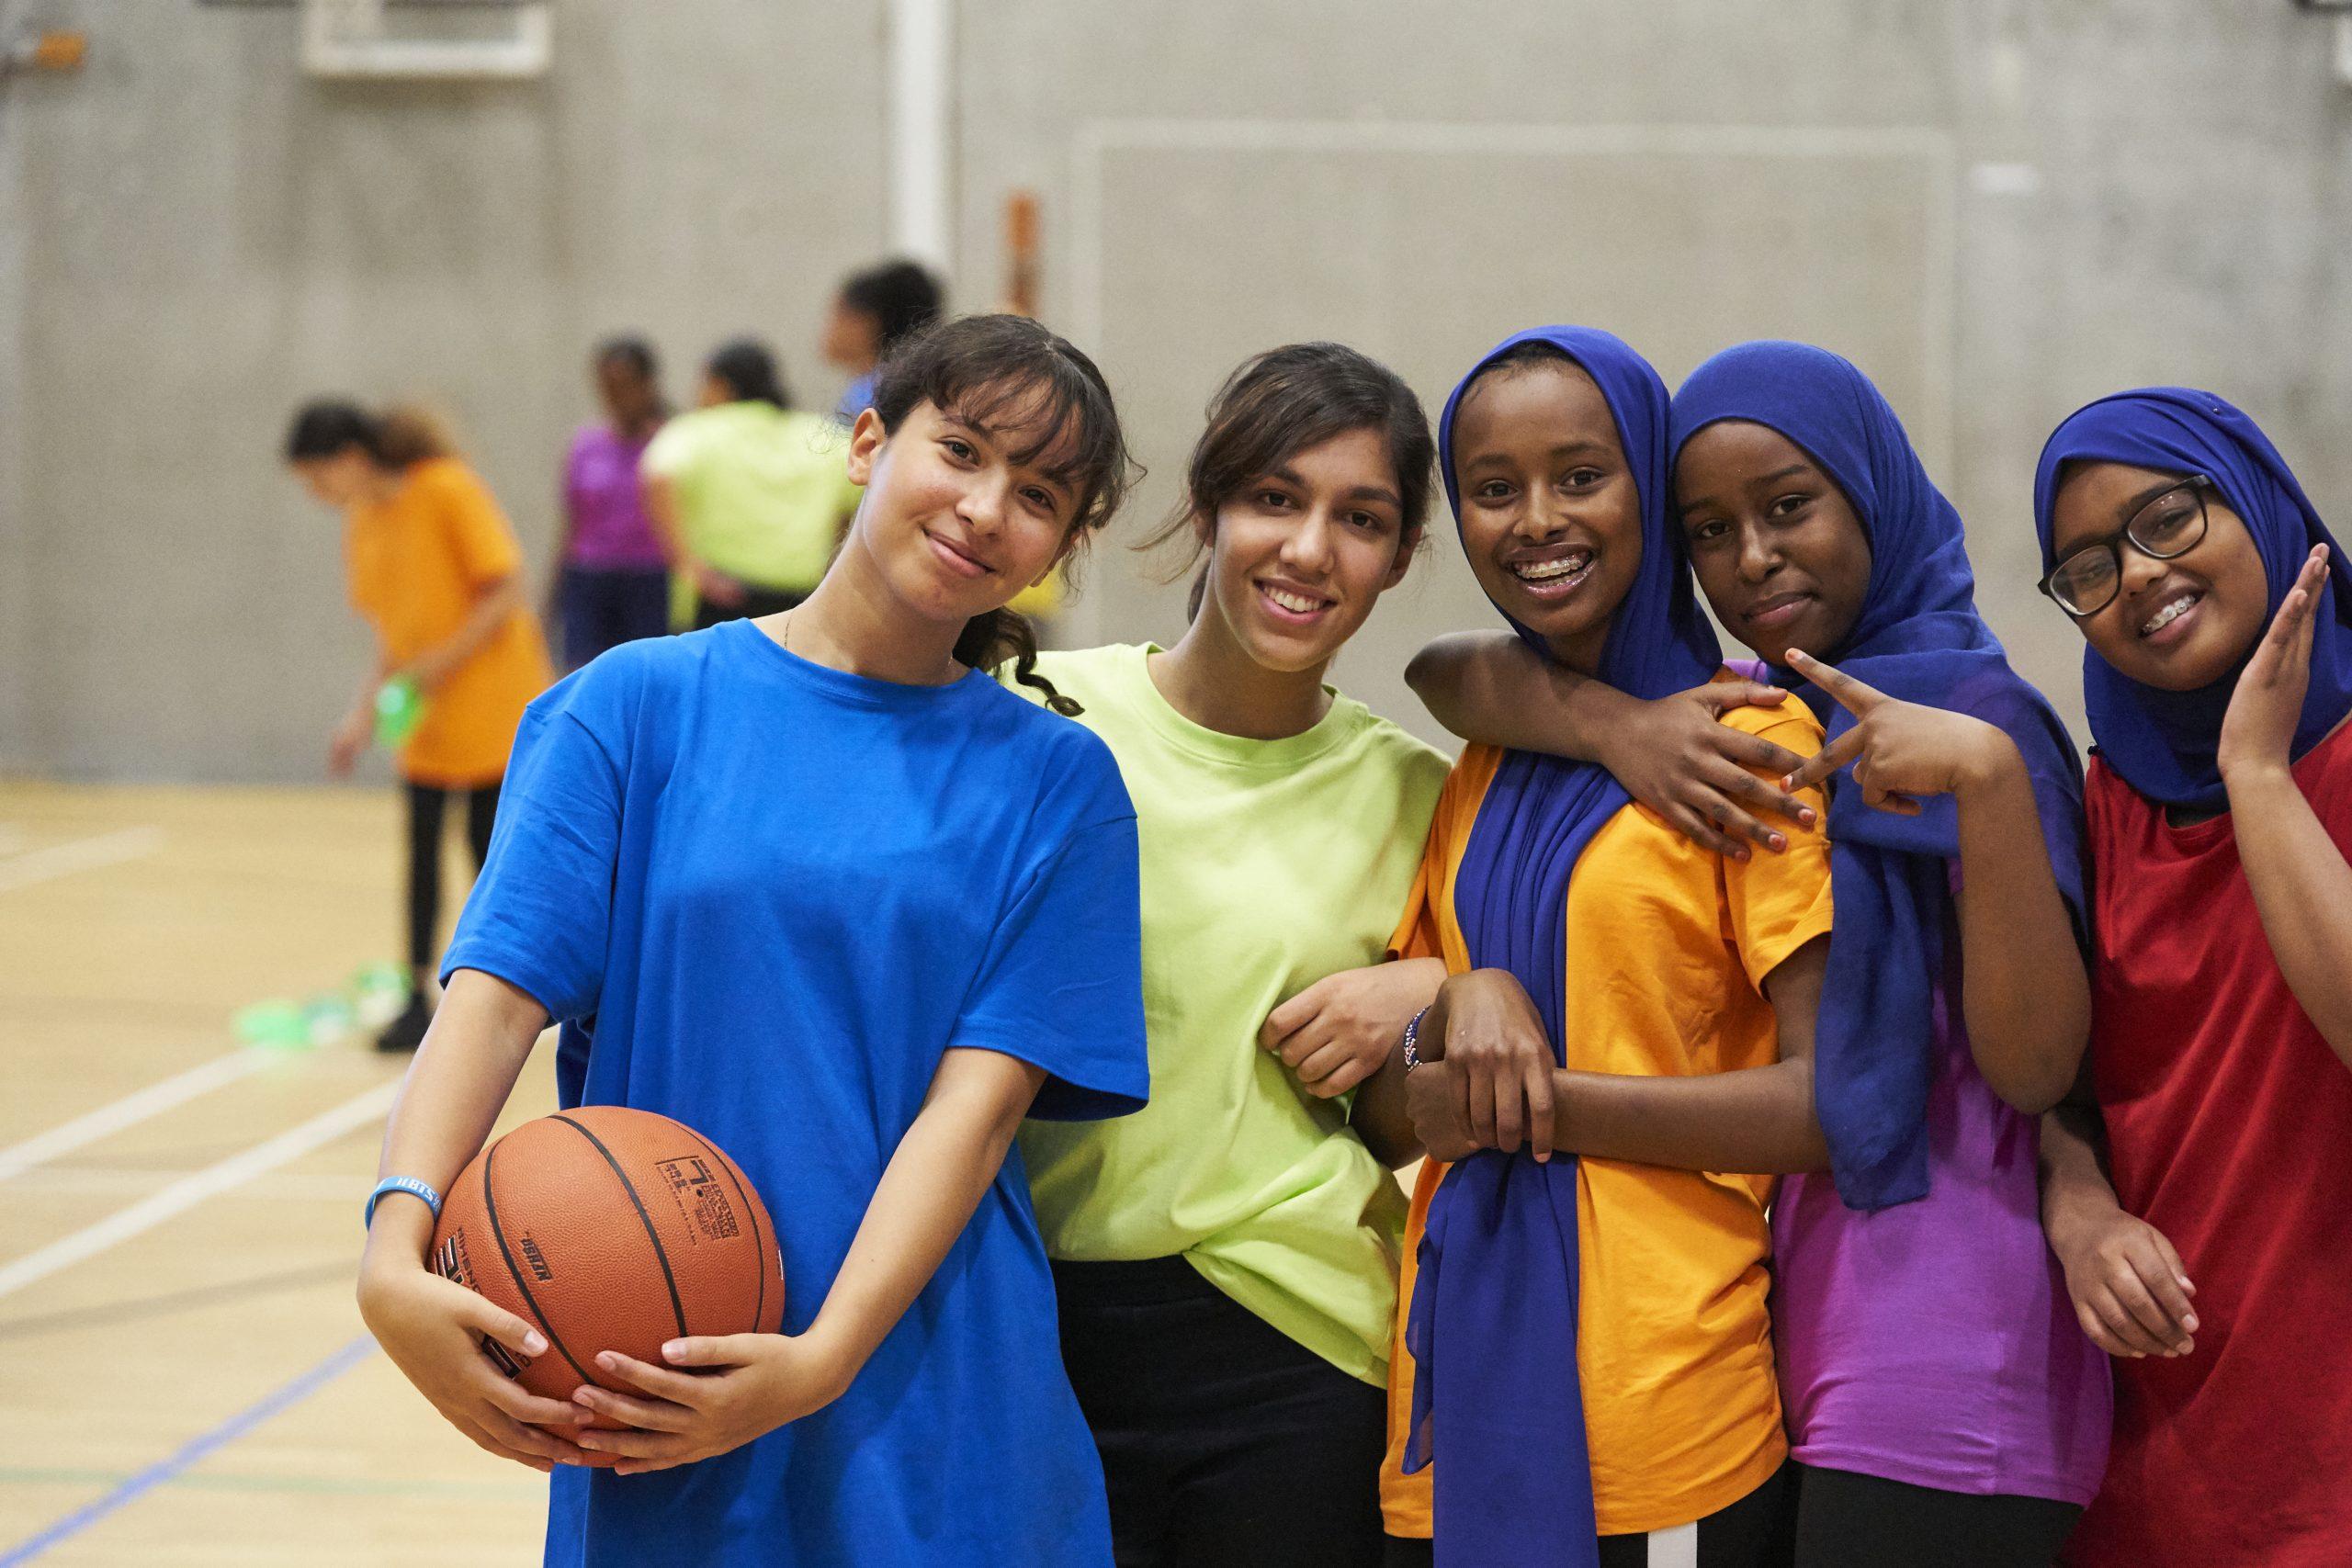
[2229, 1123]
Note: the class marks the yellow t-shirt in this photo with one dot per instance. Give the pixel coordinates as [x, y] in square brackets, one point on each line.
[415, 565]
[761, 492]
[1266, 866]
[1669, 945]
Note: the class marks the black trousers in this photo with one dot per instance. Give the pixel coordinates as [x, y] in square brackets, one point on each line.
[756, 602]
[1750, 1533]
[1224, 1441]
[1845, 1521]
[426, 806]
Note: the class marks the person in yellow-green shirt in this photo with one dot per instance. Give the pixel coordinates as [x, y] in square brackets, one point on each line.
[749, 495]
[1226, 1258]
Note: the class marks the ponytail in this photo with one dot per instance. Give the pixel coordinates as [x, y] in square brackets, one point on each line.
[988, 640]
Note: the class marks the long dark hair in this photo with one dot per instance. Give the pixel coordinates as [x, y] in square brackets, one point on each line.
[1277, 405]
[1007, 372]
[749, 370]
[395, 438]
[902, 296]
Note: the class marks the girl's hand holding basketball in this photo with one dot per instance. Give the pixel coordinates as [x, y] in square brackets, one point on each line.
[2258, 730]
[431, 1327]
[1342, 1029]
[744, 1386]
[1901, 752]
[1500, 1079]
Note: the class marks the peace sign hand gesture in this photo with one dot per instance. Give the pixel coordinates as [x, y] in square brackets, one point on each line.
[1901, 752]
[2258, 731]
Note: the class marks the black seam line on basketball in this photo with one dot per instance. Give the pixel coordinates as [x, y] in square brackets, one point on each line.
[677, 1307]
[751, 1217]
[498, 1235]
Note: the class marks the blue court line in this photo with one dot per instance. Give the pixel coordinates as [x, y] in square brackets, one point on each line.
[284, 1396]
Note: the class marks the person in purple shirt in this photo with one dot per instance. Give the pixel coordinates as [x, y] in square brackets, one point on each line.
[612, 581]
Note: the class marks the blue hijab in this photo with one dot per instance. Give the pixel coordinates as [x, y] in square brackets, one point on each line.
[1493, 1324]
[2163, 743]
[1920, 638]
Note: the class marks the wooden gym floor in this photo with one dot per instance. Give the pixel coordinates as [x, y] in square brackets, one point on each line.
[187, 1380]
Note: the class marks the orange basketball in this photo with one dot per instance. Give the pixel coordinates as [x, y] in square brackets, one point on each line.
[609, 1229]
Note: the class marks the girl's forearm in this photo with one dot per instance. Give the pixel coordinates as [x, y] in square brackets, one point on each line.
[2075, 1185]
[2302, 891]
[1490, 687]
[482, 1034]
[1752, 1121]
[2024, 990]
[941, 1170]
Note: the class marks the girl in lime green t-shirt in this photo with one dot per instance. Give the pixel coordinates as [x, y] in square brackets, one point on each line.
[1226, 1257]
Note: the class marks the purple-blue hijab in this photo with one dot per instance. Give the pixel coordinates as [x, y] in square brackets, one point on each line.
[1918, 638]
[1493, 1322]
[2164, 743]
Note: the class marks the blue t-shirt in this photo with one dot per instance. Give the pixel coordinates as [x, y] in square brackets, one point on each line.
[763, 897]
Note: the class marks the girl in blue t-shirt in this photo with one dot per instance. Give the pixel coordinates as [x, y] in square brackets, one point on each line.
[818, 887]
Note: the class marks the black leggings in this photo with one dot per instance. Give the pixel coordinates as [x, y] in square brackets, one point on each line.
[1750, 1533]
[425, 805]
[1224, 1441]
[1846, 1520]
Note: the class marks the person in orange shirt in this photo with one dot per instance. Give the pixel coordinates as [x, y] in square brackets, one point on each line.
[1619, 1057]
[434, 568]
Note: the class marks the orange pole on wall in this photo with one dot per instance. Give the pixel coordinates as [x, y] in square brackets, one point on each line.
[1021, 253]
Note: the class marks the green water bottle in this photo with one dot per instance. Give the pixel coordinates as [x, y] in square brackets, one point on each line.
[400, 708]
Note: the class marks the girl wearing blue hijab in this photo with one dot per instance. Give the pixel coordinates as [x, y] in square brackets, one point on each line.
[1937, 1385]
[1586, 1365]
[2208, 1255]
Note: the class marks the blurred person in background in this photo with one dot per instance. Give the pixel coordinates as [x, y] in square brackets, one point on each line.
[434, 569]
[611, 577]
[749, 495]
[876, 308]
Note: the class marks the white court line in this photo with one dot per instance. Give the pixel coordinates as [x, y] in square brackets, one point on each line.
[189, 1191]
[129, 1110]
[85, 1180]
[78, 855]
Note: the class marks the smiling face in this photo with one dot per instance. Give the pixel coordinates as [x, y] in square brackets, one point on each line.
[2177, 624]
[959, 516]
[1551, 515]
[1300, 556]
[1776, 546]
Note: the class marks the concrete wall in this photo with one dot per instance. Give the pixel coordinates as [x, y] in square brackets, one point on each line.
[2000, 210]
[210, 237]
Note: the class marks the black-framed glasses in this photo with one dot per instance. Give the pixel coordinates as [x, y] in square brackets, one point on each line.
[2168, 526]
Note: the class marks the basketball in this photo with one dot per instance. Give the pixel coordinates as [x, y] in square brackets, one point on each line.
[609, 1229]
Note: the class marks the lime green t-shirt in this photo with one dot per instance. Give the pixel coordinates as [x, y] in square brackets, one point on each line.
[761, 490]
[1266, 866]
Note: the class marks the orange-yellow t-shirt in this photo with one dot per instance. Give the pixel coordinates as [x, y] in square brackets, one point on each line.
[1669, 945]
[417, 563]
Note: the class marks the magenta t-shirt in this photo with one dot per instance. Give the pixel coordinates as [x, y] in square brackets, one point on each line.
[610, 531]
[1933, 1343]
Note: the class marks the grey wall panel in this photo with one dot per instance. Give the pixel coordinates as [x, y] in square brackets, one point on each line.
[1427, 244]
[208, 237]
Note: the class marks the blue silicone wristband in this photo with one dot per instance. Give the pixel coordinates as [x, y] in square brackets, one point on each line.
[408, 1184]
